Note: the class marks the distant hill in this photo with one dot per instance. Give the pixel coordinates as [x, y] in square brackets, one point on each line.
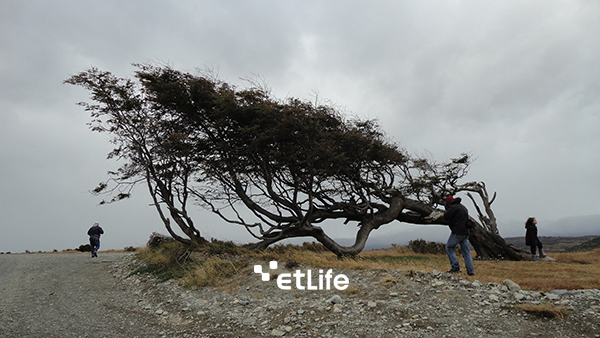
[401, 236]
[572, 226]
[564, 227]
[559, 235]
[590, 245]
[555, 244]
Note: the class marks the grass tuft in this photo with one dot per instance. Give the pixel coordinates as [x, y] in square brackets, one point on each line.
[544, 310]
[213, 271]
[167, 261]
[388, 281]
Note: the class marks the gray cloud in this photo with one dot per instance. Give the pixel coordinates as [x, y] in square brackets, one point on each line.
[515, 83]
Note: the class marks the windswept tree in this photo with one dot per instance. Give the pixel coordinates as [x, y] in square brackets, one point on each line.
[153, 145]
[279, 169]
[430, 182]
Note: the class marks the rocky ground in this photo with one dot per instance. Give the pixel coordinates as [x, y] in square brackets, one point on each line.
[376, 304]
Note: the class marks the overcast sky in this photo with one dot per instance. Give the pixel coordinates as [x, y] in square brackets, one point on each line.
[515, 83]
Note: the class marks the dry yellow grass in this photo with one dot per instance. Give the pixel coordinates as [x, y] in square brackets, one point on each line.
[578, 270]
[568, 271]
[212, 271]
[544, 310]
[385, 259]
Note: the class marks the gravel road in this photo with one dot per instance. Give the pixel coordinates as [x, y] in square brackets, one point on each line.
[73, 295]
[68, 295]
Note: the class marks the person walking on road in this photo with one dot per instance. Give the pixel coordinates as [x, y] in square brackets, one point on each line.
[457, 214]
[532, 240]
[95, 232]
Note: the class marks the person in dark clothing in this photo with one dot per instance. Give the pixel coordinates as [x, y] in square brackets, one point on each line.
[95, 232]
[532, 240]
[458, 214]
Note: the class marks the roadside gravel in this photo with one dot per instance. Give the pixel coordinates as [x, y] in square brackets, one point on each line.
[71, 295]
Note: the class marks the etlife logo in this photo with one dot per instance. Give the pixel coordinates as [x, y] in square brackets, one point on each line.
[304, 280]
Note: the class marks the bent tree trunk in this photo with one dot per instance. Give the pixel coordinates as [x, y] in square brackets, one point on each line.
[488, 245]
[367, 225]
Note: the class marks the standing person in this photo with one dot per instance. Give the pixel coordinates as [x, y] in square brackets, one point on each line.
[532, 240]
[458, 214]
[94, 233]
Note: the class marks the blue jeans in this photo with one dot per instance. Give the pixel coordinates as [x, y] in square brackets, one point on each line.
[94, 244]
[463, 240]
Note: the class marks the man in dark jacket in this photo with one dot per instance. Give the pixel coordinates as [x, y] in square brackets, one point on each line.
[458, 214]
[94, 233]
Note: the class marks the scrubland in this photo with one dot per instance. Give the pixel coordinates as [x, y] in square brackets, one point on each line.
[219, 263]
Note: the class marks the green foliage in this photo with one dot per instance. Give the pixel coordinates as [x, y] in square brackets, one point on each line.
[286, 165]
[157, 240]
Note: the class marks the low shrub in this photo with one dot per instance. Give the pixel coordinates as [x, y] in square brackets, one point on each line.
[84, 248]
[424, 247]
[291, 265]
[291, 248]
[157, 240]
[167, 260]
[313, 246]
[218, 247]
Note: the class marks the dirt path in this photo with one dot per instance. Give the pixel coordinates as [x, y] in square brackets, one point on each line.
[68, 295]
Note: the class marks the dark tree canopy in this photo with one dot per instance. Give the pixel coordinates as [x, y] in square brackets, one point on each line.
[152, 144]
[280, 169]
